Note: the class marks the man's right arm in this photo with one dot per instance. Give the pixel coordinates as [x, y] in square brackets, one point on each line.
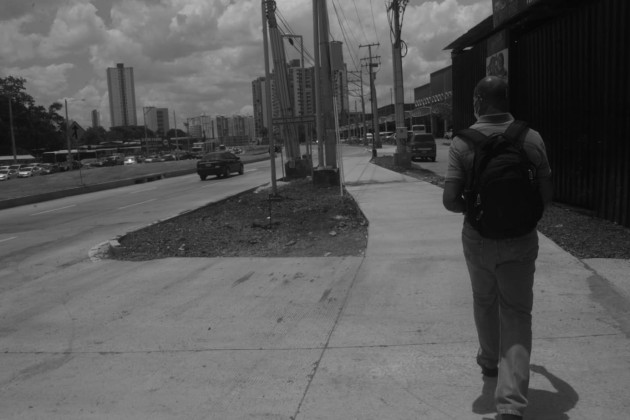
[452, 197]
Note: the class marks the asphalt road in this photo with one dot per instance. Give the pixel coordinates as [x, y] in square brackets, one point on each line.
[41, 238]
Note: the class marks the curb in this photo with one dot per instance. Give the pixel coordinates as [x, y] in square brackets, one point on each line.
[106, 249]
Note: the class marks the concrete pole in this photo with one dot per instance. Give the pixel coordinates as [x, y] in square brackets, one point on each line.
[327, 91]
[401, 157]
[319, 121]
[69, 158]
[272, 151]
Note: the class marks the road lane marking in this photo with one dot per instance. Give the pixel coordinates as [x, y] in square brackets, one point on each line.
[138, 191]
[49, 211]
[8, 239]
[136, 204]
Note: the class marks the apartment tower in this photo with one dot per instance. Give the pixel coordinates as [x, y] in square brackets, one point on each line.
[122, 96]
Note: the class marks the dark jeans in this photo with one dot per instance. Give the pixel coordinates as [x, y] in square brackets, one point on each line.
[502, 278]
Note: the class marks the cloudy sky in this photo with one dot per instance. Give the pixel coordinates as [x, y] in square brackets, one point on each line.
[200, 56]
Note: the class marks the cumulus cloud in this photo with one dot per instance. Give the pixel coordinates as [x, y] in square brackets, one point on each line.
[44, 82]
[200, 56]
[74, 29]
[14, 45]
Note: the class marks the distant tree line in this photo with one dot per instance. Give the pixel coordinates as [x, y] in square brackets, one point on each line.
[37, 129]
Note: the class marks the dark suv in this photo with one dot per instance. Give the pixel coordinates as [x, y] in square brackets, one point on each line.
[422, 146]
[220, 164]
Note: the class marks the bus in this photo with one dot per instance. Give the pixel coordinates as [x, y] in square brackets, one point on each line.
[60, 158]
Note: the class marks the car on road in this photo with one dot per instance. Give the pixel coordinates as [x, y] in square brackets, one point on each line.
[7, 174]
[130, 160]
[221, 164]
[422, 146]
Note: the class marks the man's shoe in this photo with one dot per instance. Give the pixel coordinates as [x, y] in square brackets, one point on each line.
[510, 417]
[489, 372]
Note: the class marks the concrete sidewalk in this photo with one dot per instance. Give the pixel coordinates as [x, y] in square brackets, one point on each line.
[386, 336]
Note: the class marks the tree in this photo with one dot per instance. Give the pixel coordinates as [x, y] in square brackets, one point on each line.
[94, 136]
[35, 128]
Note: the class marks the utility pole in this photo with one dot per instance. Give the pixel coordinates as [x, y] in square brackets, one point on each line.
[402, 156]
[375, 136]
[12, 134]
[272, 151]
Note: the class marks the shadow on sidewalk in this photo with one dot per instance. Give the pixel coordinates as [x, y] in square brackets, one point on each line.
[543, 405]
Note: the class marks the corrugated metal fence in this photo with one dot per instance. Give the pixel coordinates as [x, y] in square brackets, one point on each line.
[570, 79]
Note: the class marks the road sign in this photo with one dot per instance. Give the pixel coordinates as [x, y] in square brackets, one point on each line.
[76, 131]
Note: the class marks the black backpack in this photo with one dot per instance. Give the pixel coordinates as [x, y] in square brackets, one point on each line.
[502, 195]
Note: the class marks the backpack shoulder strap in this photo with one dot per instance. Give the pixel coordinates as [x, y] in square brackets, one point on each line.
[516, 132]
[475, 136]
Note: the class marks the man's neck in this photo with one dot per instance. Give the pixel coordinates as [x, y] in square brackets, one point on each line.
[495, 118]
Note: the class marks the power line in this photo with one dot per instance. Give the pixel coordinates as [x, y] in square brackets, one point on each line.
[373, 20]
[343, 33]
[359, 20]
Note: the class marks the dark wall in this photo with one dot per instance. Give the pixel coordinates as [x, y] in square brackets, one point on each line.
[570, 79]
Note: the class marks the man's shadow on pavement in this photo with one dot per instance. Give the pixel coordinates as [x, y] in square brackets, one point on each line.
[543, 405]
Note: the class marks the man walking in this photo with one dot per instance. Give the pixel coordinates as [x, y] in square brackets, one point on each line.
[501, 268]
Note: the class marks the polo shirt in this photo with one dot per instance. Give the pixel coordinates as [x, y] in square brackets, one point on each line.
[461, 153]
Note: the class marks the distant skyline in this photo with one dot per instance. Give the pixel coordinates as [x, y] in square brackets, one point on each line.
[198, 57]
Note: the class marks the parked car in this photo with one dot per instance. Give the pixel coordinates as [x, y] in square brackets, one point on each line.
[25, 172]
[37, 170]
[154, 158]
[423, 147]
[220, 164]
[7, 174]
[419, 128]
[49, 168]
[91, 163]
[130, 160]
[168, 158]
[113, 160]
[186, 155]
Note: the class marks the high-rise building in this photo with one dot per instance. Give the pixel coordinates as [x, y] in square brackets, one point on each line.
[96, 118]
[156, 120]
[201, 127]
[122, 96]
[340, 77]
